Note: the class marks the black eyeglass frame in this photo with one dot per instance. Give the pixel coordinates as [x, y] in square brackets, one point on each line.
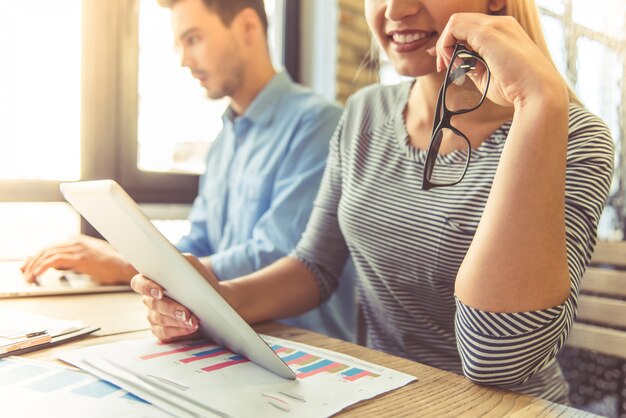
[445, 116]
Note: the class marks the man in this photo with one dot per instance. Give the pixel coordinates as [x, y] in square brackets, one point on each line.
[263, 170]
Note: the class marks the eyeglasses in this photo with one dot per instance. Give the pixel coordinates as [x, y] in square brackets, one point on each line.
[458, 95]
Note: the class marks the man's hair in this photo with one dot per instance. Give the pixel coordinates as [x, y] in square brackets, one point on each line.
[228, 9]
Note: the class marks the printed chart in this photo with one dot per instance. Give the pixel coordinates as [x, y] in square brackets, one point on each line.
[200, 378]
[31, 388]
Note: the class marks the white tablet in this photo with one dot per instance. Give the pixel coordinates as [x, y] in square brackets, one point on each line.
[120, 220]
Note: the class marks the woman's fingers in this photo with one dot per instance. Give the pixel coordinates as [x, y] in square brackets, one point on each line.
[169, 319]
[146, 287]
[169, 312]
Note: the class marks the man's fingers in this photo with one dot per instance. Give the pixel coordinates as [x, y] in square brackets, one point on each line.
[32, 267]
[57, 261]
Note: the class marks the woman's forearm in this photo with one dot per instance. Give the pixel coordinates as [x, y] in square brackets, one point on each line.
[285, 288]
[518, 258]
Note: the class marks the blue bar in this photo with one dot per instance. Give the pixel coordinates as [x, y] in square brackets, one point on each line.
[236, 357]
[315, 366]
[97, 389]
[21, 373]
[56, 382]
[204, 353]
[351, 372]
[276, 347]
[130, 397]
[294, 356]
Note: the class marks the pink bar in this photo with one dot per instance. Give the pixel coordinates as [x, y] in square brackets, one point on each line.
[196, 358]
[357, 376]
[316, 371]
[224, 365]
[178, 350]
[281, 349]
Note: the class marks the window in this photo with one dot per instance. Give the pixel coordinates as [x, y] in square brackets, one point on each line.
[83, 97]
[588, 43]
[87, 99]
[41, 91]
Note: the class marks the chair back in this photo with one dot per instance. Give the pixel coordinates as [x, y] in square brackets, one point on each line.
[601, 322]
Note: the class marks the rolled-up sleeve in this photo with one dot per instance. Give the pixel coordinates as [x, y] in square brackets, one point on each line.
[509, 348]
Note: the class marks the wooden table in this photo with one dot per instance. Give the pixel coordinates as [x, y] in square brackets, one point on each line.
[436, 393]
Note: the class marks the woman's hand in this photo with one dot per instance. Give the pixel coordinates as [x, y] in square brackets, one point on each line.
[170, 321]
[520, 72]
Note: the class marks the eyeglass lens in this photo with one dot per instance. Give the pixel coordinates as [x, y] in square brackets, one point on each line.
[449, 167]
[462, 93]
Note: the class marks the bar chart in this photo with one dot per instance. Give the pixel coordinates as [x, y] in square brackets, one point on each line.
[304, 363]
[307, 365]
[200, 378]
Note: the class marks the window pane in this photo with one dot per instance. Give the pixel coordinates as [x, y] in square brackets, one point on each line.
[555, 6]
[607, 17]
[177, 122]
[40, 45]
[555, 37]
[600, 71]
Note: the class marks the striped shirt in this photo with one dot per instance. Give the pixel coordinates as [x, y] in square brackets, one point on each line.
[408, 244]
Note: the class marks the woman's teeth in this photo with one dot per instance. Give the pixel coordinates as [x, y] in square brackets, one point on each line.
[405, 38]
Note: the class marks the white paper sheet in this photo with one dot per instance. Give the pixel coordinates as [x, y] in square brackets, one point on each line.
[31, 388]
[201, 379]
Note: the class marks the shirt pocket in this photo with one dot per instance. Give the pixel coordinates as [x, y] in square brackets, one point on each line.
[251, 198]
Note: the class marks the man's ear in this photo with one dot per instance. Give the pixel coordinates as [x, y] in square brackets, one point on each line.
[248, 24]
[497, 7]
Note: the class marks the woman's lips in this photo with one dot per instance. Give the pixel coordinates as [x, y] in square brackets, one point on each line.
[410, 41]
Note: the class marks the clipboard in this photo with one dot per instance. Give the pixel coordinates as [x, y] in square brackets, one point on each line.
[23, 332]
[9, 346]
[47, 341]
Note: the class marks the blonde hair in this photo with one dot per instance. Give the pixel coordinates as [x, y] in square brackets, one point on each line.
[527, 14]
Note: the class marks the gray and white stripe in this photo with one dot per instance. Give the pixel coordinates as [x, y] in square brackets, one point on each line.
[408, 244]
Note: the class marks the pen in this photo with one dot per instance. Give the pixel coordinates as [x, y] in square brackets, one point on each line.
[35, 333]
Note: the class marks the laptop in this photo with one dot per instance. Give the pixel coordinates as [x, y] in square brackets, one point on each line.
[51, 283]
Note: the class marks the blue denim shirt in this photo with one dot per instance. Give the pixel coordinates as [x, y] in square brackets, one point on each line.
[262, 176]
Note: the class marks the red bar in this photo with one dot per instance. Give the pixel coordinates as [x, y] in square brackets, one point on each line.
[316, 371]
[224, 365]
[357, 376]
[196, 358]
[178, 350]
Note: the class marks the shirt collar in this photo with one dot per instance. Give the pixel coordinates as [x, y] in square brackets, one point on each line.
[257, 112]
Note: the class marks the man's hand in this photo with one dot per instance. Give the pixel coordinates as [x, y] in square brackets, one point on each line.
[83, 254]
[170, 320]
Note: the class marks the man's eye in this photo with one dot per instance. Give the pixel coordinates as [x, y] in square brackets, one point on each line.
[192, 40]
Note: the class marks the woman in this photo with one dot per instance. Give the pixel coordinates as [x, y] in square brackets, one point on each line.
[481, 277]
